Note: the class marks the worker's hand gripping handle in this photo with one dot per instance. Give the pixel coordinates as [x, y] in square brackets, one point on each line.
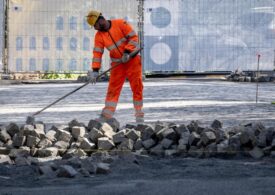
[93, 76]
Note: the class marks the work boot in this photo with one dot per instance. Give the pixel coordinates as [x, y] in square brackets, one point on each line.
[139, 120]
[101, 119]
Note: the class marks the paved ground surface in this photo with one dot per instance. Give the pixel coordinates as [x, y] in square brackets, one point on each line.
[164, 100]
[179, 101]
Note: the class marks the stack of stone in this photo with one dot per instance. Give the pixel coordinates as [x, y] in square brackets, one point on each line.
[31, 143]
[249, 77]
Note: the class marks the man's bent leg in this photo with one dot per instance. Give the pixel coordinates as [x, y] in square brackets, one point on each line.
[134, 74]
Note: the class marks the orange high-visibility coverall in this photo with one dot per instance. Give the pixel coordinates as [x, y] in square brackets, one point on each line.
[126, 39]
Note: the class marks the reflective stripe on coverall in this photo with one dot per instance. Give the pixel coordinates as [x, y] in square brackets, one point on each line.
[125, 39]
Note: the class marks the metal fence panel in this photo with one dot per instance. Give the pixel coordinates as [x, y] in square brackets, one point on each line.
[208, 35]
[2, 16]
[53, 35]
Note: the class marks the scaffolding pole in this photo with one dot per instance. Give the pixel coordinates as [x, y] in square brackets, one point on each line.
[141, 30]
[6, 39]
[3, 38]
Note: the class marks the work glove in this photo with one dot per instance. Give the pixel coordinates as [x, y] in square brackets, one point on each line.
[92, 75]
[125, 58]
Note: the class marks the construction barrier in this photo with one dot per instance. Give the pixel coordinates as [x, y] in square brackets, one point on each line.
[177, 35]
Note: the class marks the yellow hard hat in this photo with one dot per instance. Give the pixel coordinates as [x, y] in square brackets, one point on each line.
[92, 17]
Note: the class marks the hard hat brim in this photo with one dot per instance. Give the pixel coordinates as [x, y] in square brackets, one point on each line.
[92, 17]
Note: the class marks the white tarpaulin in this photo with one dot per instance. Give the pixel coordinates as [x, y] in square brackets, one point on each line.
[208, 35]
[53, 35]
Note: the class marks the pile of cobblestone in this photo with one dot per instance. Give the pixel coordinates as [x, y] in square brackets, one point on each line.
[79, 149]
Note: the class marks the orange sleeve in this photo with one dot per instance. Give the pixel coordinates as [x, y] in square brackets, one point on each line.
[97, 52]
[130, 35]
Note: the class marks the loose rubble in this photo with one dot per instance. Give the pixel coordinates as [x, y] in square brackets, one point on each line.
[240, 76]
[78, 150]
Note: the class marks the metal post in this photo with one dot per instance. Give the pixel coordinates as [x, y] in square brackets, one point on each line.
[3, 30]
[258, 67]
[141, 29]
[6, 39]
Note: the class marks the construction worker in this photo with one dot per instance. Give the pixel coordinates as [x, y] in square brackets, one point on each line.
[121, 40]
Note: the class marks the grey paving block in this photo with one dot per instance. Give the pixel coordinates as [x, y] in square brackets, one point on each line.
[105, 143]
